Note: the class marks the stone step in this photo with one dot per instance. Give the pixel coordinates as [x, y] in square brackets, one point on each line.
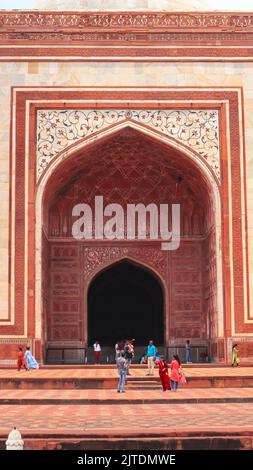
[143, 385]
[131, 396]
[224, 439]
[108, 379]
[111, 383]
[143, 381]
[139, 387]
[123, 401]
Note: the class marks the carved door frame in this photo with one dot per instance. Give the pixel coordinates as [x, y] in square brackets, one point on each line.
[147, 256]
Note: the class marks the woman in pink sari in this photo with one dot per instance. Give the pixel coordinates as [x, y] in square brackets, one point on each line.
[174, 376]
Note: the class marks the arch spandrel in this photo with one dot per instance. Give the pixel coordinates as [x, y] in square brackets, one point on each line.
[61, 130]
[97, 259]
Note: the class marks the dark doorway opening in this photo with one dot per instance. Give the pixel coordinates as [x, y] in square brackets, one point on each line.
[125, 301]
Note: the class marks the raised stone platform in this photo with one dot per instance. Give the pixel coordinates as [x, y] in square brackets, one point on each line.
[130, 426]
[106, 378]
[59, 409]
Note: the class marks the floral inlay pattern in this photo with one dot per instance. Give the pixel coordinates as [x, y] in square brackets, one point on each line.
[58, 129]
[95, 259]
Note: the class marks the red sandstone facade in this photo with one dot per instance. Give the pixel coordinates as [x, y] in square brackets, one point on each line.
[205, 282]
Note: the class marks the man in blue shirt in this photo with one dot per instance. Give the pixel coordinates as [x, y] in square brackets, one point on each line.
[151, 355]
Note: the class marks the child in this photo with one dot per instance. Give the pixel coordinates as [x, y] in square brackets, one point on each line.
[31, 362]
[21, 359]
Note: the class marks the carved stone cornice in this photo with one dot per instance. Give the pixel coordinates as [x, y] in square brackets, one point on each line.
[216, 32]
[120, 20]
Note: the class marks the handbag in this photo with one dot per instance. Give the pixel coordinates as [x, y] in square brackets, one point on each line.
[182, 378]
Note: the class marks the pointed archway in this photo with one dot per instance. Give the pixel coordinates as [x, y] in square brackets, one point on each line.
[129, 298]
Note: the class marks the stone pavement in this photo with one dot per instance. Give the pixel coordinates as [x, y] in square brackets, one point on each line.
[126, 417]
[107, 397]
[214, 417]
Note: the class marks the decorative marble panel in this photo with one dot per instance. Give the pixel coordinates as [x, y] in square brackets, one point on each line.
[95, 259]
[58, 129]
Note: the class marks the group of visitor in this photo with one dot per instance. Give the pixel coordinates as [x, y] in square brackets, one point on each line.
[148, 357]
[26, 360]
[169, 380]
[125, 353]
[177, 375]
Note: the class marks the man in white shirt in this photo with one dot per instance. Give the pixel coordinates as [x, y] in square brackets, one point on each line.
[97, 351]
[117, 351]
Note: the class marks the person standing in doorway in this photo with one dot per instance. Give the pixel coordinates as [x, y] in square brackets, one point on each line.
[188, 351]
[122, 368]
[151, 355]
[97, 352]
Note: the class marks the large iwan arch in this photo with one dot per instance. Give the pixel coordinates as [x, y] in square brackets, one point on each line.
[164, 163]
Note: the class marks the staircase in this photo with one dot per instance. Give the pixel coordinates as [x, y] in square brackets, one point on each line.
[143, 383]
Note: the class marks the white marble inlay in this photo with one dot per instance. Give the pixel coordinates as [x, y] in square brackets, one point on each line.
[58, 129]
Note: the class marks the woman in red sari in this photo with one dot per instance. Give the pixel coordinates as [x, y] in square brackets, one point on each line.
[164, 374]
